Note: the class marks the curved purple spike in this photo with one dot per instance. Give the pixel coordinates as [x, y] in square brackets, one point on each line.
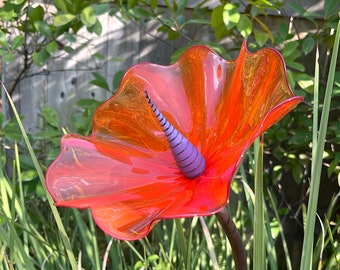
[188, 159]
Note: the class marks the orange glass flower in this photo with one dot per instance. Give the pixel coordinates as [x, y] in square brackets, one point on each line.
[125, 171]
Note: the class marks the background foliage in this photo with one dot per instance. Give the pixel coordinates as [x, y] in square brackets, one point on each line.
[35, 32]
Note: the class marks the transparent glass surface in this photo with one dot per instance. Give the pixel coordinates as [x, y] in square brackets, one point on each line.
[125, 172]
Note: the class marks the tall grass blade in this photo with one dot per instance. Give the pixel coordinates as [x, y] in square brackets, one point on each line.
[190, 246]
[62, 232]
[334, 247]
[328, 242]
[269, 242]
[106, 255]
[284, 242]
[322, 242]
[248, 193]
[315, 104]
[172, 242]
[317, 157]
[88, 238]
[94, 239]
[21, 196]
[182, 240]
[19, 256]
[134, 250]
[210, 244]
[259, 226]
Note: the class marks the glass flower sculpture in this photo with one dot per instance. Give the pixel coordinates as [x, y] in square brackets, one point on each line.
[131, 174]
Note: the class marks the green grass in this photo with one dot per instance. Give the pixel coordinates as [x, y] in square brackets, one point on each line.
[319, 138]
[34, 234]
[259, 225]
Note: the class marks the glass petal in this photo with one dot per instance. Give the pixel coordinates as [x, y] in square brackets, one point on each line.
[125, 171]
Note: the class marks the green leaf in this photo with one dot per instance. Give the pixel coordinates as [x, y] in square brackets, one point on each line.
[308, 45]
[172, 35]
[60, 4]
[17, 42]
[153, 258]
[171, 5]
[295, 65]
[297, 7]
[28, 175]
[117, 78]
[291, 79]
[333, 164]
[52, 47]
[63, 19]
[47, 134]
[301, 137]
[7, 13]
[114, 10]
[180, 20]
[163, 28]
[181, 5]
[96, 28]
[99, 56]
[50, 116]
[244, 25]
[138, 265]
[305, 81]
[265, 28]
[17, 2]
[36, 13]
[101, 9]
[260, 37]
[86, 103]
[289, 48]
[12, 130]
[331, 7]
[87, 16]
[217, 16]
[100, 81]
[283, 30]
[68, 49]
[6, 56]
[231, 15]
[131, 3]
[217, 23]
[43, 28]
[195, 21]
[294, 55]
[70, 37]
[53, 153]
[140, 13]
[153, 4]
[40, 58]
[3, 40]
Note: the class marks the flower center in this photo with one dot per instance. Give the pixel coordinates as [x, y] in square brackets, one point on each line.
[188, 159]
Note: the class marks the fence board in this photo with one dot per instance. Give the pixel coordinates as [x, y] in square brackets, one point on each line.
[64, 80]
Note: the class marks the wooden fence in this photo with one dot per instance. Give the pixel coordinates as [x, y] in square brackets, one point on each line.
[65, 79]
